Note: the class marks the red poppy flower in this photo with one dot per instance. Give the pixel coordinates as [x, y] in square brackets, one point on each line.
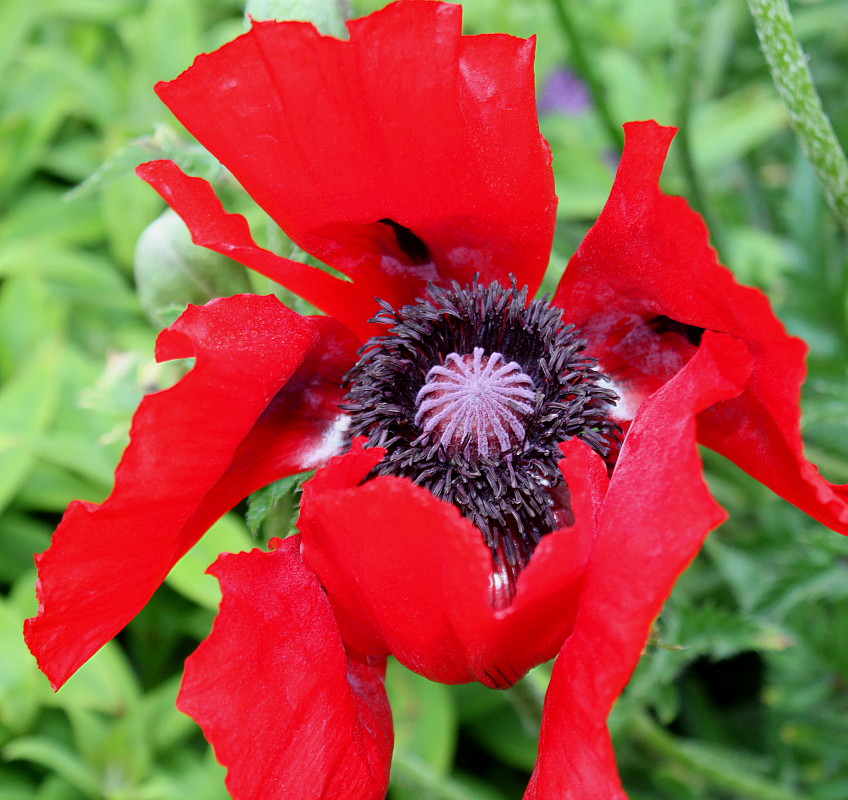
[496, 522]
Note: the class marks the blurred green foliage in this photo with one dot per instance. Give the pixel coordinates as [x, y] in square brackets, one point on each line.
[742, 691]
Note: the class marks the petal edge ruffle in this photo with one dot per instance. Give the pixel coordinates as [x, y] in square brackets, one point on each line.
[647, 260]
[643, 542]
[261, 371]
[228, 234]
[288, 712]
[458, 164]
[409, 576]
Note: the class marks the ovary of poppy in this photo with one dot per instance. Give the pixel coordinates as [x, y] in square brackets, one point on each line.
[406, 155]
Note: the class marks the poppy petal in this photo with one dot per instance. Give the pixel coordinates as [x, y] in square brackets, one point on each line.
[263, 374]
[643, 542]
[456, 180]
[212, 227]
[645, 284]
[287, 711]
[408, 575]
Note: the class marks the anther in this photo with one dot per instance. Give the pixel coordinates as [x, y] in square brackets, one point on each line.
[470, 391]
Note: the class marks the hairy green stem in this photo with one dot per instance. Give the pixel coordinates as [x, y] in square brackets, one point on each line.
[708, 765]
[794, 83]
[586, 69]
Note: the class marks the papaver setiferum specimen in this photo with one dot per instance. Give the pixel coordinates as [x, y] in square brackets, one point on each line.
[500, 479]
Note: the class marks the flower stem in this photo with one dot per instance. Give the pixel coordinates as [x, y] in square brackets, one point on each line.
[791, 76]
[707, 764]
[527, 697]
[421, 781]
[586, 69]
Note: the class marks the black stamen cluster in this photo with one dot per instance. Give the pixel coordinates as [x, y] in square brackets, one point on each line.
[512, 498]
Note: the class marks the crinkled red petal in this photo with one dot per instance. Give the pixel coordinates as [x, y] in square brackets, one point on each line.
[408, 153]
[287, 711]
[260, 403]
[210, 226]
[409, 576]
[647, 263]
[654, 518]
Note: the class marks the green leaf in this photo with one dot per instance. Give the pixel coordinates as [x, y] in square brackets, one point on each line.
[49, 488]
[274, 507]
[637, 87]
[42, 215]
[163, 144]
[166, 727]
[503, 735]
[584, 178]
[53, 787]
[175, 27]
[105, 683]
[201, 779]
[227, 535]
[414, 779]
[27, 404]
[98, 11]
[759, 258]
[20, 537]
[89, 281]
[90, 732]
[21, 686]
[57, 758]
[26, 137]
[16, 18]
[722, 633]
[326, 15]
[89, 85]
[726, 129]
[743, 572]
[16, 784]
[27, 320]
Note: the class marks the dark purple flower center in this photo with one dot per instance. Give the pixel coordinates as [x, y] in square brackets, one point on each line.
[471, 392]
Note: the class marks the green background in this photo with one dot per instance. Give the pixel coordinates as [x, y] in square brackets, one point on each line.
[742, 690]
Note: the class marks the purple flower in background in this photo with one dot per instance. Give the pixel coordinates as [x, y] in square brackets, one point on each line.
[563, 93]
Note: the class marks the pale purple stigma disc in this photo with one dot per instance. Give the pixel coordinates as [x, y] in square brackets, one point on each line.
[476, 404]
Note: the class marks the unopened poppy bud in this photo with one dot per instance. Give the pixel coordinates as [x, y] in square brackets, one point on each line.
[326, 15]
[171, 272]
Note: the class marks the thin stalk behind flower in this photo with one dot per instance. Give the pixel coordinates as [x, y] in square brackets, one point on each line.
[710, 766]
[690, 22]
[586, 69]
[791, 75]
